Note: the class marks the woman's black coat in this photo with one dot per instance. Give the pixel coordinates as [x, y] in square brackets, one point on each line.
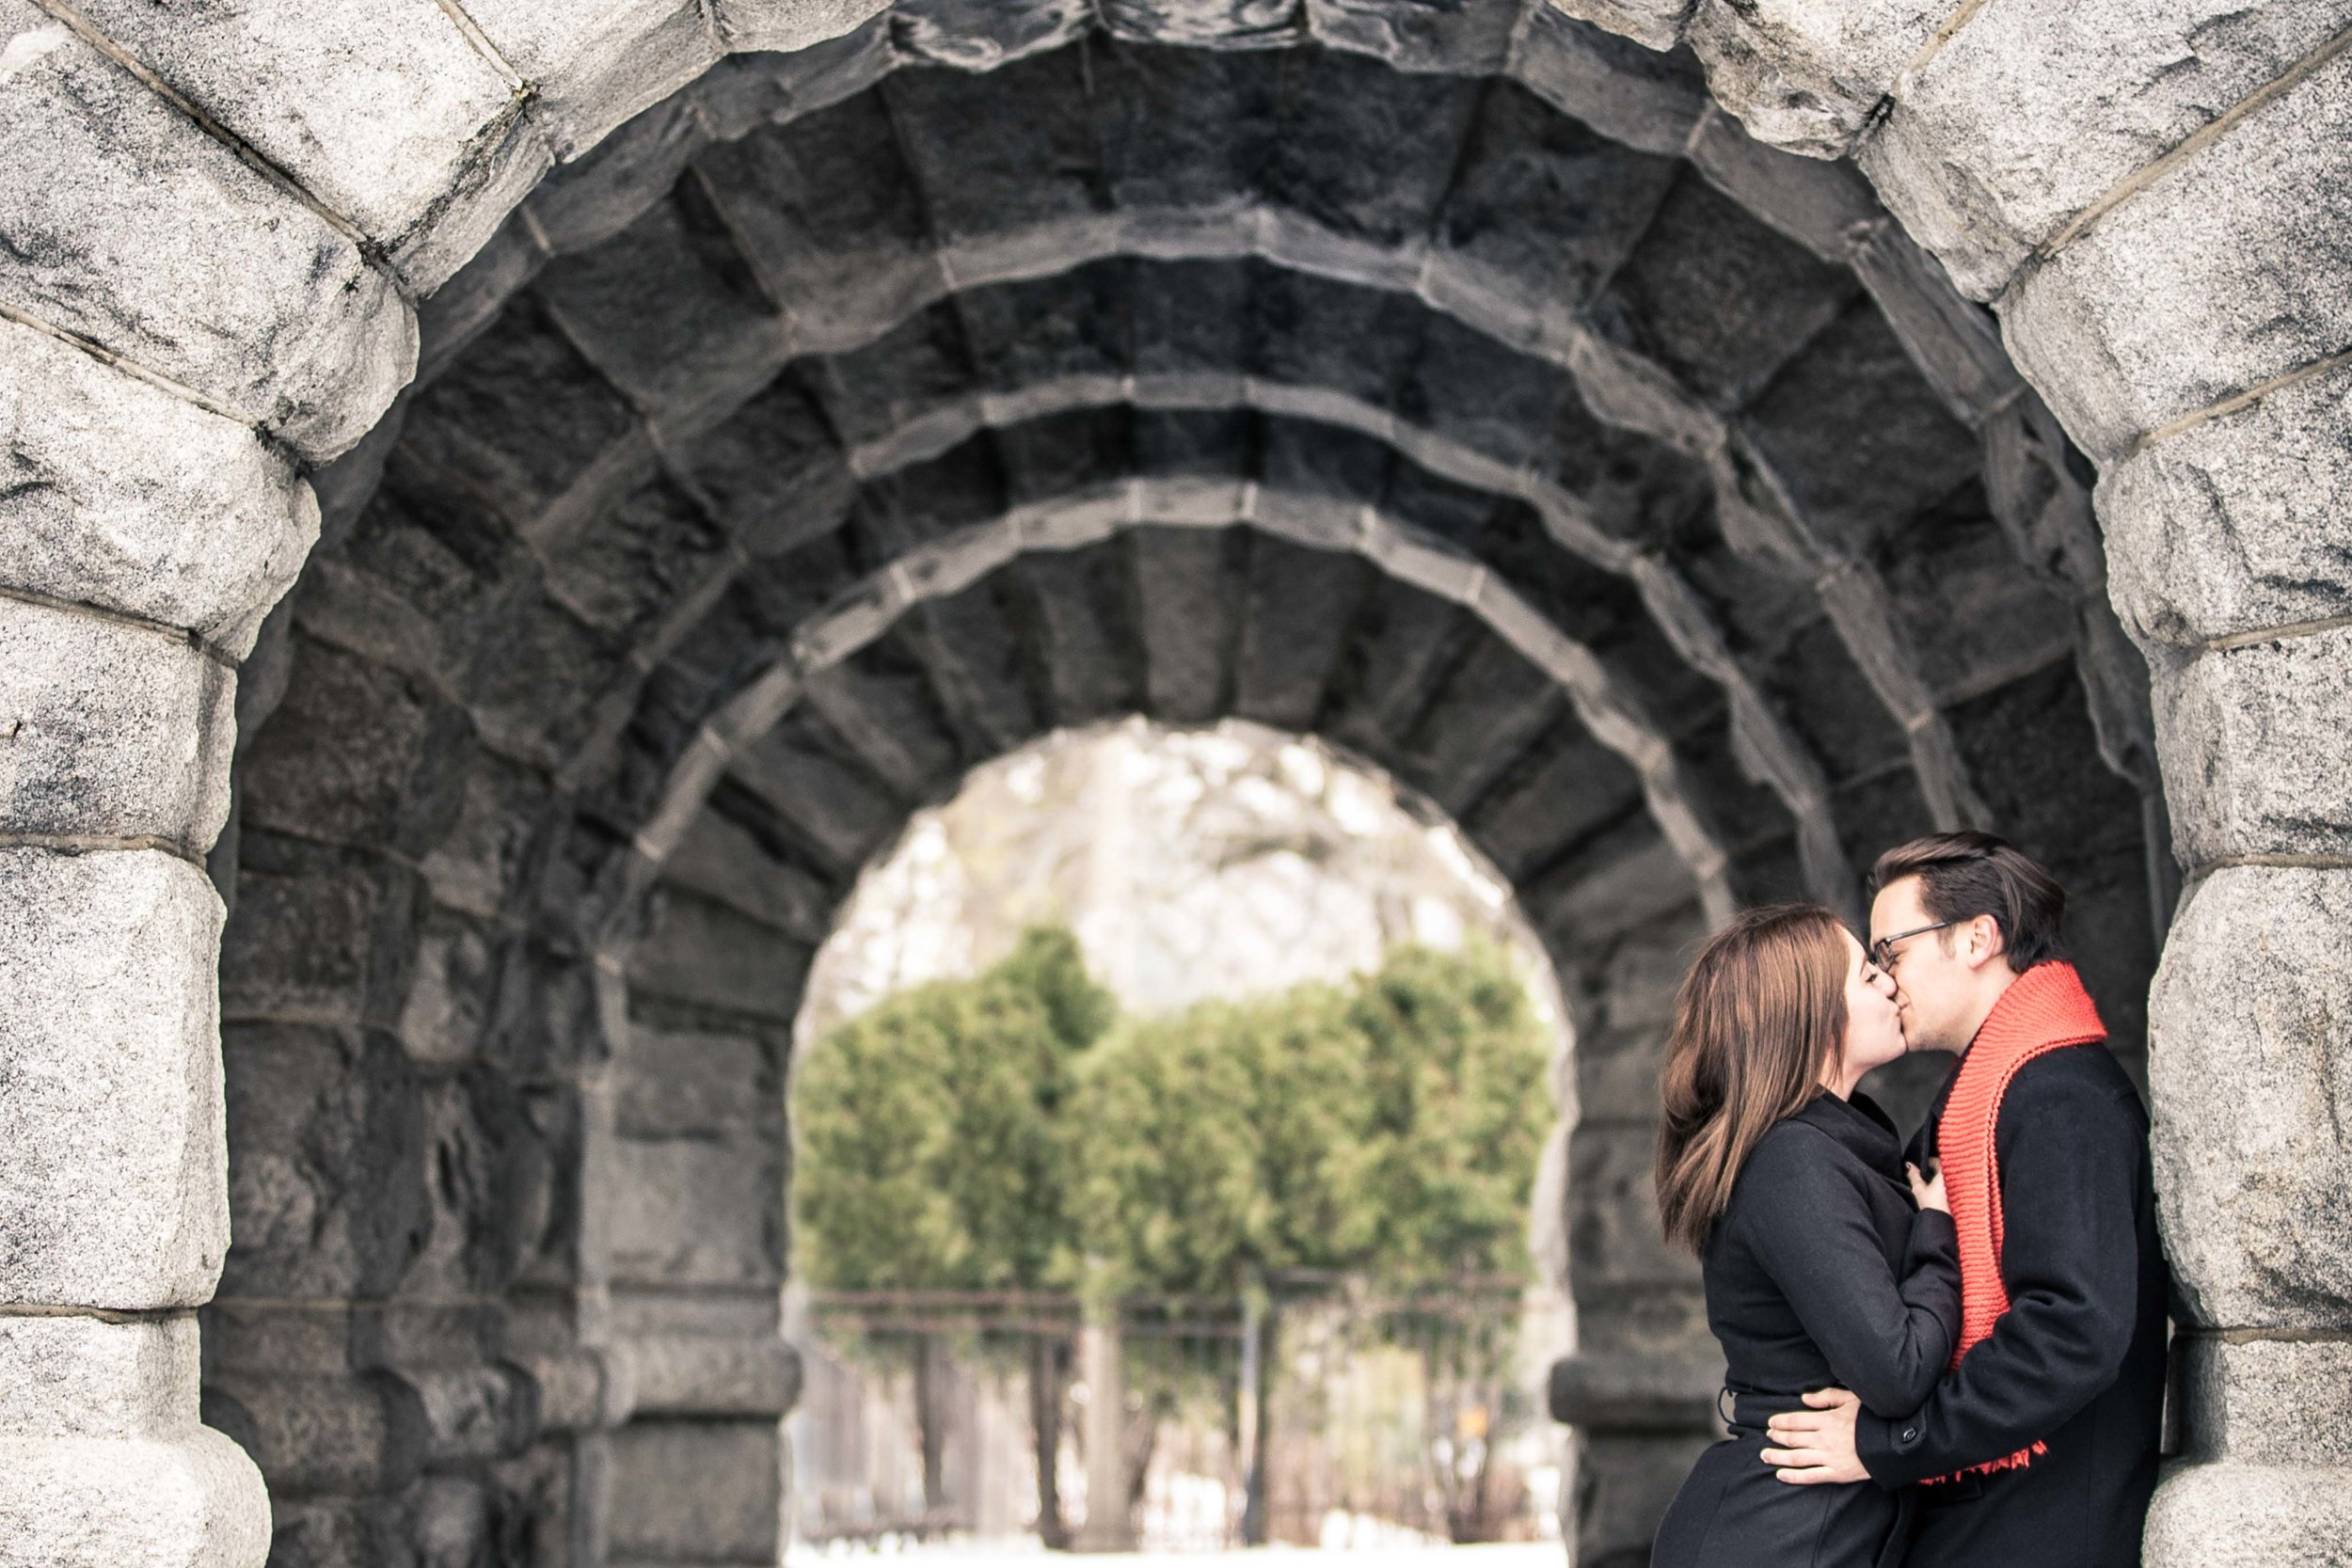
[1819, 1272]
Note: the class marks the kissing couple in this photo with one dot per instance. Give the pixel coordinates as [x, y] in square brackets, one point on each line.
[1949, 1354]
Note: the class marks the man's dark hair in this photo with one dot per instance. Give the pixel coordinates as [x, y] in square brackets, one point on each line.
[1964, 875]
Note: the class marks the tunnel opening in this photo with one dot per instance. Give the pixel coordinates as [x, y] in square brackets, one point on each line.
[1635, 493]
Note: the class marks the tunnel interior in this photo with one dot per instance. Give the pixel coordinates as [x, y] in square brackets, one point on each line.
[1636, 494]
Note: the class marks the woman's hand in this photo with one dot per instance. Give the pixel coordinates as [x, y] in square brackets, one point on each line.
[1930, 1195]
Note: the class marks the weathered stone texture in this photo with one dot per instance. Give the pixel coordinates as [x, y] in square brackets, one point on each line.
[2279, 1401]
[379, 112]
[2250, 1515]
[167, 250]
[112, 730]
[2256, 759]
[118, 494]
[107, 1040]
[2225, 273]
[2246, 1026]
[2033, 112]
[2239, 524]
[696, 1491]
[85, 1377]
[190, 1500]
[1805, 74]
[597, 63]
[791, 24]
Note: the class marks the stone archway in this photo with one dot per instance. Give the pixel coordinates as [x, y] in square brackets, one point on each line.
[238, 258]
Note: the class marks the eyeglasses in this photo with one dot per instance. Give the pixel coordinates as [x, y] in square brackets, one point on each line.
[1883, 951]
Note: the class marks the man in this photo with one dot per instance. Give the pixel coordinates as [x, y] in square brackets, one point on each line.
[2039, 1446]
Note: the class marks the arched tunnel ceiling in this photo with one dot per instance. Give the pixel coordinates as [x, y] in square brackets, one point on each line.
[1690, 438]
[1481, 400]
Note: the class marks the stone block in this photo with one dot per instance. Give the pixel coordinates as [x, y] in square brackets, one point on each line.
[380, 111]
[694, 1212]
[2269, 1401]
[1464, 39]
[787, 26]
[327, 1184]
[681, 1375]
[486, 856]
[1624, 1484]
[1617, 1393]
[319, 934]
[755, 86]
[694, 1491]
[585, 203]
[1818, 204]
[2256, 758]
[676, 1085]
[190, 1500]
[1629, 93]
[131, 228]
[597, 62]
[2224, 274]
[2032, 112]
[115, 492]
[1653, 24]
[110, 730]
[2244, 1076]
[356, 753]
[2237, 524]
[334, 1431]
[702, 952]
[1614, 1232]
[668, 310]
[721, 859]
[113, 1190]
[2249, 1517]
[87, 1377]
[1805, 74]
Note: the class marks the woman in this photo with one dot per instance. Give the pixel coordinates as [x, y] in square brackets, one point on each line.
[1826, 1260]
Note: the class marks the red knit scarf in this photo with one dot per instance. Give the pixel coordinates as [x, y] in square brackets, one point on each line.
[2042, 1010]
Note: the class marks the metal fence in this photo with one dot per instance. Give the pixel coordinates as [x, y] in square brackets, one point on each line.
[1312, 1410]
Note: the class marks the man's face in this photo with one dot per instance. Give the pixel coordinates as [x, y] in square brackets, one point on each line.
[1934, 989]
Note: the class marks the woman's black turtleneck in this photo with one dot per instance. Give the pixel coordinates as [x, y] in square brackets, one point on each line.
[1821, 1272]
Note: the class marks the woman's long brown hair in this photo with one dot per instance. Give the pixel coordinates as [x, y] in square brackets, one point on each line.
[1760, 1016]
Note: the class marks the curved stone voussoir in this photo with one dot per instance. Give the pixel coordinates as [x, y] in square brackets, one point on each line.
[1805, 74]
[2241, 524]
[1691, 626]
[594, 65]
[2214, 279]
[133, 230]
[387, 115]
[791, 27]
[865, 612]
[2031, 114]
[1622, 387]
[1473, 39]
[117, 493]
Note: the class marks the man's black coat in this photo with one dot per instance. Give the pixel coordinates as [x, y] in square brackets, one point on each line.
[2077, 1361]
